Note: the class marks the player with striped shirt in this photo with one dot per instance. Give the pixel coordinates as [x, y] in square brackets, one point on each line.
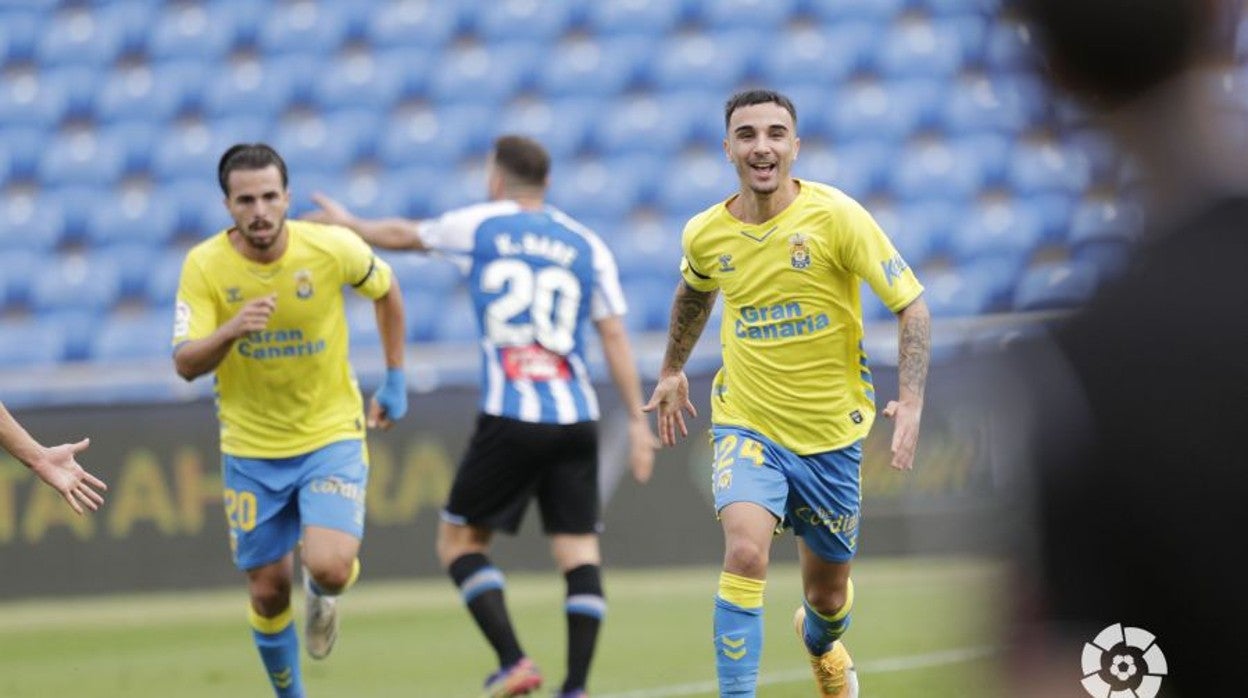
[538, 280]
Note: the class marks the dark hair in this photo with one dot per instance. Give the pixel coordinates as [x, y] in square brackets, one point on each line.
[1109, 51]
[248, 156]
[523, 158]
[749, 98]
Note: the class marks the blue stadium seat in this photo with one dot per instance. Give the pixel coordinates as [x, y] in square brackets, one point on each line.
[822, 55]
[462, 187]
[1055, 286]
[134, 261]
[18, 268]
[75, 204]
[408, 191]
[918, 47]
[31, 343]
[81, 35]
[589, 188]
[24, 145]
[162, 282]
[644, 245]
[134, 138]
[1044, 166]
[997, 228]
[79, 84]
[874, 109]
[700, 113]
[714, 61]
[327, 141]
[991, 151]
[427, 23]
[941, 8]
[649, 18]
[19, 32]
[192, 31]
[969, 290]
[422, 273]
[82, 156]
[134, 336]
[421, 314]
[639, 124]
[650, 303]
[822, 163]
[6, 164]
[77, 282]
[29, 220]
[1102, 234]
[261, 88]
[705, 179]
[192, 148]
[1009, 103]
[1010, 46]
[1099, 151]
[457, 320]
[834, 11]
[426, 135]
[28, 99]
[590, 67]
[524, 20]
[488, 74]
[930, 168]
[139, 217]
[562, 126]
[376, 81]
[154, 92]
[766, 16]
[201, 207]
[924, 228]
[320, 27]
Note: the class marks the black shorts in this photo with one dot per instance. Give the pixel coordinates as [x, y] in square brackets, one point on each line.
[509, 461]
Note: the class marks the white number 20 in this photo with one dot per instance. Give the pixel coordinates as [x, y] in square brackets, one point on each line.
[551, 295]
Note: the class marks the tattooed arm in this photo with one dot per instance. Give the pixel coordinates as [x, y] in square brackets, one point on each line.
[690, 311]
[914, 342]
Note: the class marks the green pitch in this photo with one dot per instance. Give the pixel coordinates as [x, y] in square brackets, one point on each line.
[922, 627]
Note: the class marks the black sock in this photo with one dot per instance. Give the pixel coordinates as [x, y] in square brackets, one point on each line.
[585, 609]
[481, 587]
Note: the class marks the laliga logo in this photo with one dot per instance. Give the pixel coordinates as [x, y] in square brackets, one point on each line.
[1123, 663]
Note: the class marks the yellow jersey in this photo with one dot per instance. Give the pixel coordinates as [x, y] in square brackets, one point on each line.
[794, 366]
[288, 389]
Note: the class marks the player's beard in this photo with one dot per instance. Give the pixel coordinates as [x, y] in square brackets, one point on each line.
[263, 238]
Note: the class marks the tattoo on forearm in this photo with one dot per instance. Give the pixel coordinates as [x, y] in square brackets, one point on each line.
[690, 311]
[914, 353]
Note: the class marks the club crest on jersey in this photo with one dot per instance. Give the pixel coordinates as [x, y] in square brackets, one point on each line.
[303, 283]
[799, 251]
[725, 263]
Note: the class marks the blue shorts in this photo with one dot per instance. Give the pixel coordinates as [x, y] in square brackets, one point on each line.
[817, 495]
[268, 501]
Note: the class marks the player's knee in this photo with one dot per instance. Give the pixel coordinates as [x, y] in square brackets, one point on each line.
[746, 557]
[332, 577]
[269, 595]
[827, 602]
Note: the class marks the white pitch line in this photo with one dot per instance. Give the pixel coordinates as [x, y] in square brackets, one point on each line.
[886, 665]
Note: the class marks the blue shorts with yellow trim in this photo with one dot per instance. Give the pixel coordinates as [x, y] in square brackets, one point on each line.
[268, 501]
[817, 495]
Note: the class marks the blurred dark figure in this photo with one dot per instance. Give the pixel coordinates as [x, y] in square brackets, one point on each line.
[1140, 479]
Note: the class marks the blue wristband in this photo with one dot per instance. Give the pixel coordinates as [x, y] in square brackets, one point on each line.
[392, 395]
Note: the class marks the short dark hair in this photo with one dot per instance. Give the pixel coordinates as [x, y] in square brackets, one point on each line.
[523, 158]
[749, 98]
[248, 156]
[1108, 51]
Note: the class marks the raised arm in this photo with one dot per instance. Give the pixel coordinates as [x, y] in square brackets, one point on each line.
[690, 311]
[619, 355]
[914, 343]
[386, 233]
[56, 466]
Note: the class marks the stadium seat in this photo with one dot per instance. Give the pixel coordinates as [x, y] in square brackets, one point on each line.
[1055, 286]
[875, 109]
[589, 188]
[327, 141]
[142, 91]
[457, 319]
[705, 179]
[1102, 234]
[822, 163]
[75, 204]
[29, 220]
[942, 8]
[523, 20]
[134, 138]
[700, 112]
[6, 164]
[134, 336]
[997, 228]
[820, 55]
[590, 67]
[425, 135]
[1008, 103]
[28, 99]
[832, 12]
[30, 343]
[133, 260]
[1044, 166]
[463, 186]
[139, 217]
[367, 80]
[645, 245]
[923, 228]
[708, 61]
[306, 26]
[77, 282]
[20, 30]
[649, 18]
[638, 124]
[918, 47]
[766, 16]
[861, 166]
[1010, 46]
[416, 273]
[192, 31]
[82, 35]
[82, 156]
[192, 148]
[969, 290]
[79, 83]
[561, 126]
[486, 74]
[23, 145]
[421, 315]
[430, 24]
[930, 168]
[200, 203]
[260, 88]
[162, 283]
[990, 150]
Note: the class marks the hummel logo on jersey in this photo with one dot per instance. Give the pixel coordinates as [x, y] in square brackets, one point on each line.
[725, 263]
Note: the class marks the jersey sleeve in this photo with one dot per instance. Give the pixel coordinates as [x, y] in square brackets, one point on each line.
[454, 232]
[865, 250]
[195, 313]
[362, 270]
[608, 295]
[690, 269]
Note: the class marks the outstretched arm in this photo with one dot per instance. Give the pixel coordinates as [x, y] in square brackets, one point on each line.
[55, 466]
[914, 342]
[619, 355]
[386, 233]
[690, 311]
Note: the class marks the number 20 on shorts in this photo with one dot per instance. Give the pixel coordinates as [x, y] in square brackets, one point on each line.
[240, 509]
